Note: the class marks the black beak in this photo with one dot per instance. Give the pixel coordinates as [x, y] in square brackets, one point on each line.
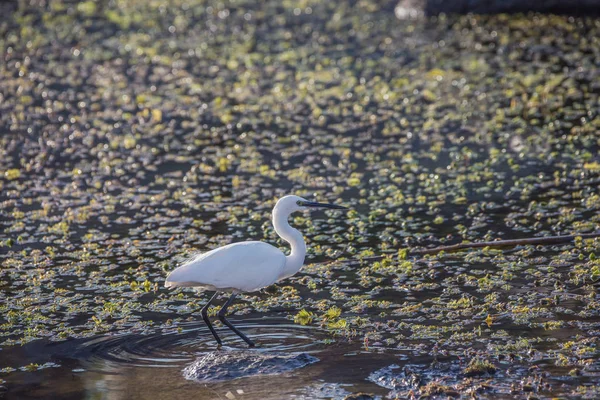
[321, 205]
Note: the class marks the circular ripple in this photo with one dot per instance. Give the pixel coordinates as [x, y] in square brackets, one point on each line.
[179, 347]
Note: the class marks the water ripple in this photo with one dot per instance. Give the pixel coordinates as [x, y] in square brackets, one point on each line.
[179, 347]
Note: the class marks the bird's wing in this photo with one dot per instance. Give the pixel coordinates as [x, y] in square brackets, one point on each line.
[244, 267]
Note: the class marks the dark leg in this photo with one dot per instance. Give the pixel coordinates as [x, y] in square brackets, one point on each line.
[207, 321]
[223, 312]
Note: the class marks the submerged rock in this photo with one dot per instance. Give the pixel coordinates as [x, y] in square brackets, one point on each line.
[226, 365]
[390, 377]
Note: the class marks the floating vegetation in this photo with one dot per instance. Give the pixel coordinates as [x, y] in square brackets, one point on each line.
[304, 317]
[478, 367]
[136, 135]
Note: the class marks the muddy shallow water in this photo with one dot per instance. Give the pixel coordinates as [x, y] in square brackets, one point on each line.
[135, 135]
[144, 365]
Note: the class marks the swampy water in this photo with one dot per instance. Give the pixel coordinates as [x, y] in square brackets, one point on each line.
[137, 133]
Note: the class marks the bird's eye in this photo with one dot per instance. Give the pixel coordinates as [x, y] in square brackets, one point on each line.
[299, 202]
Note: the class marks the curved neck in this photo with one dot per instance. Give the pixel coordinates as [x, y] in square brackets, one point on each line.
[295, 260]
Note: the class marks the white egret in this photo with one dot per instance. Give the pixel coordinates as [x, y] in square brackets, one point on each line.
[246, 266]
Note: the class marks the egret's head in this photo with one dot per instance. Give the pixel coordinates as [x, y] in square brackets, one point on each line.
[290, 204]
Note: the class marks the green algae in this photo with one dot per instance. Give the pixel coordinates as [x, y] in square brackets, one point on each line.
[137, 135]
[479, 367]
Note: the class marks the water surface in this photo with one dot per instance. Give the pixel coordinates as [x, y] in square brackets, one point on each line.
[135, 135]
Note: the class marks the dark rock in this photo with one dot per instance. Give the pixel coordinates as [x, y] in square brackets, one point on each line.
[359, 396]
[226, 365]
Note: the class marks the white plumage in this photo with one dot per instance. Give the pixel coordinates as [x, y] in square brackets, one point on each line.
[246, 266]
[237, 267]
